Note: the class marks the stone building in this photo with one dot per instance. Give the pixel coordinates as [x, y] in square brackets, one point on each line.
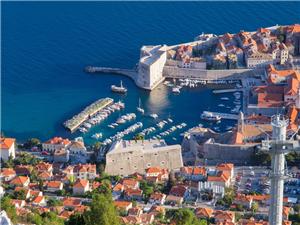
[127, 157]
[151, 64]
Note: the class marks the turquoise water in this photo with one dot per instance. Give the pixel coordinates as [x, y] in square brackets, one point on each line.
[46, 45]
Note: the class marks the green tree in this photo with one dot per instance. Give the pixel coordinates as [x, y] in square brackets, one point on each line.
[76, 219]
[146, 188]
[102, 211]
[19, 194]
[9, 208]
[185, 216]
[254, 207]
[32, 142]
[54, 202]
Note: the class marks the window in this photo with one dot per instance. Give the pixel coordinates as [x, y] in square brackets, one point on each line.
[162, 163]
[149, 164]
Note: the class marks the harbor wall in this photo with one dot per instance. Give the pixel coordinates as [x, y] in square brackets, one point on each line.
[269, 111]
[176, 72]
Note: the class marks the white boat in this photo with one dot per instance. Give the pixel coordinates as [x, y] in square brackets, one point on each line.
[170, 120]
[176, 90]
[111, 126]
[153, 115]
[119, 89]
[139, 108]
[97, 135]
[221, 105]
[121, 120]
[209, 116]
[225, 98]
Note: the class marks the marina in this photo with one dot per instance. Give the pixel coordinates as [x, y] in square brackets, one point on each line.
[73, 123]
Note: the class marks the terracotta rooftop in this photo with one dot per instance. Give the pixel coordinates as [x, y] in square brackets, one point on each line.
[6, 143]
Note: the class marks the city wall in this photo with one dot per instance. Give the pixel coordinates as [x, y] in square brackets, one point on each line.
[176, 72]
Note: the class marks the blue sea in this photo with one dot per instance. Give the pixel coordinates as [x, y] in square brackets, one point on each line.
[46, 45]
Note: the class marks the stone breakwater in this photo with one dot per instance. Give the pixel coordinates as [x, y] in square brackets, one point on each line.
[73, 123]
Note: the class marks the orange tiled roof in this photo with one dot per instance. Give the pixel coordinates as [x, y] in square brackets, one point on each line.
[292, 88]
[8, 172]
[224, 215]
[157, 196]
[19, 180]
[204, 212]
[54, 184]
[6, 143]
[38, 199]
[293, 28]
[223, 176]
[153, 170]
[225, 166]
[81, 183]
[270, 100]
[129, 182]
[244, 198]
[58, 141]
[131, 192]
[122, 204]
[69, 201]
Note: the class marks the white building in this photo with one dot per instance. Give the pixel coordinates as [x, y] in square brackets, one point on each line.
[127, 157]
[4, 219]
[151, 64]
[7, 148]
[55, 143]
[77, 148]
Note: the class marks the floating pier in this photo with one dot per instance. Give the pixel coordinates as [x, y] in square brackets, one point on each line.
[226, 116]
[226, 90]
[73, 123]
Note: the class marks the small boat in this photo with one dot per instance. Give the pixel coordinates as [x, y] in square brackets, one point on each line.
[174, 138]
[209, 116]
[139, 108]
[97, 135]
[111, 126]
[121, 120]
[225, 98]
[176, 90]
[119, 89]
[153, 115]
[221, 105]
[170, 120]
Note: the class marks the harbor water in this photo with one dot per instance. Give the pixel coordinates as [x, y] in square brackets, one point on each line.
[46, 46]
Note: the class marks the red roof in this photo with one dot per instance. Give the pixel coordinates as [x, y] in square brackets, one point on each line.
[6, 143]
[81, 183]
[178, 190]
[58, 141]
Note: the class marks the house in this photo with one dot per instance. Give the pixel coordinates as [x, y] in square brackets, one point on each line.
[20, 181]
[204, 213]
[124, 205]
[39, 201]
[285, 212]
[55, 144]
[18, 203]
[71, 202]
[117, 190]
[173, 200]
[130, 183]
[157, 198]
[222, 178]
[158, 173]
[81, 186]
[53, 186]
[7, 174]
[85, 171]
[135, 211]
[65, 214]
[147, 218]
[226, 167]
[45, 176]
[179, 191]
[224, 216]
[133, 194]
[244, 200]
[44, 167]
[193, 173]
[7, 149]
[77, 148]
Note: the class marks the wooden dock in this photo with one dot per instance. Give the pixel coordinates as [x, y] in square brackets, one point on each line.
[226, 116]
